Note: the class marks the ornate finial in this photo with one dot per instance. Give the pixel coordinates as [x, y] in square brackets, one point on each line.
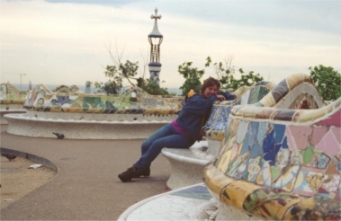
[155, 32]
[155, 16]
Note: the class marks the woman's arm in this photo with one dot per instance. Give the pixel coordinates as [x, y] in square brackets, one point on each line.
[227, 95]
[199, 105]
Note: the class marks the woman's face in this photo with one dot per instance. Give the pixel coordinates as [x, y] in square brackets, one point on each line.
[212, 90]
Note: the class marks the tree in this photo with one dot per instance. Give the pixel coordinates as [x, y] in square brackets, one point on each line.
[327, 81]
[192, 77]
[113, 85]
[225, 73]
[117, 72]
[128, 70]
[154, 88]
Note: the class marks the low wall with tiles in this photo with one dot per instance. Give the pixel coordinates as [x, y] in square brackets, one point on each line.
[11, 101]
[132, 101]
[280, 164]
[133, 114]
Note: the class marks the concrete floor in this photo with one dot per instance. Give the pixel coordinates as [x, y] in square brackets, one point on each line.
[86, 186]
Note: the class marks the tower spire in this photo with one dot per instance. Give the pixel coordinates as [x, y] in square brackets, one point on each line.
[155, 39]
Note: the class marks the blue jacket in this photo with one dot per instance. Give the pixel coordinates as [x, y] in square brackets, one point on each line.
[196, 110]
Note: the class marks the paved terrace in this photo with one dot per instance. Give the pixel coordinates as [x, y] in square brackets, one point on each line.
[86, 186]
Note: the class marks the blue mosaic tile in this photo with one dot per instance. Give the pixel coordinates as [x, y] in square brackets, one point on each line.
[218, 118]
[252, 131]
[270, 155]
[322, 161]
[280, 90]
[269, 141]
[242, 130]
[246, 146]
[279, 132]
[210, 120]
[63, 99]
[285, 143]
[256, 150]
[262, 129]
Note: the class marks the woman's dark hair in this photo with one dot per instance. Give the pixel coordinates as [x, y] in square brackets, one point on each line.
[209, 82]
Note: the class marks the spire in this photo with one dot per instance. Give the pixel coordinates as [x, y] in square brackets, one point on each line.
[155, 33]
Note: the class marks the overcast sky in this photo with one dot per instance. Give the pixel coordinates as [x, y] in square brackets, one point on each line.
[67, 42]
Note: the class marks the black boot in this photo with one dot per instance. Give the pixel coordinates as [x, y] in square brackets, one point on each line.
[144, 172]
[128, 175]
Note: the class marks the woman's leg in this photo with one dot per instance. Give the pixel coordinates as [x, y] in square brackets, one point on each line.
[162, 132]
[167, 136]
[174, 141]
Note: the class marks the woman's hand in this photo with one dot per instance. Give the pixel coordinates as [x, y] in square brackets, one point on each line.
[220, 97]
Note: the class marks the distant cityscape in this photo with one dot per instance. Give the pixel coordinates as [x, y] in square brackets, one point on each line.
[176, 91]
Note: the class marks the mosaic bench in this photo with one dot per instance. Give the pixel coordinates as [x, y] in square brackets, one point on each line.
[279, 164]
[133, 114]
[11, 101]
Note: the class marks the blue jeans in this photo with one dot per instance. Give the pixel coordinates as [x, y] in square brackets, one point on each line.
[166, 136]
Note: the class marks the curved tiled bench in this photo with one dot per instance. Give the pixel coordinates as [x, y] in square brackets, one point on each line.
[11, 101]
[279, 164]
[133, 114]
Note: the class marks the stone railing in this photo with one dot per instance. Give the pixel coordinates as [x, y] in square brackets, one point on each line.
[279, 164]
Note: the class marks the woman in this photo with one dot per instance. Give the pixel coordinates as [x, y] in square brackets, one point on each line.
[182, 132]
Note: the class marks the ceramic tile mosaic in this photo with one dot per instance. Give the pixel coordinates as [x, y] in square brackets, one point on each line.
[216, 124]
[315, 175]
[11, 95]
[132, 101]
[282, 167]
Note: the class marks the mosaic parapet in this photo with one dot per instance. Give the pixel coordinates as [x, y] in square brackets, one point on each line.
[295, 92]
[298, 91]
[64, 89]
[132, 101]
[280, 164]
[9, 94]
[216, 124]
